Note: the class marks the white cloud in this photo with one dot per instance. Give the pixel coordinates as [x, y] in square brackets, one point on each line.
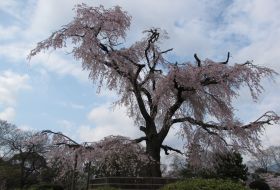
[15, 51]
[8, 114]
[7, 33]
[25, 127]
[65, 124]
[77, 106]
[10, 85]
[56, 63]
[10, 6]
[108, 122]
[271, 136]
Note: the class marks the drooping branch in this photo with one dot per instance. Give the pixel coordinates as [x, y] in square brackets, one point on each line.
[168, 148]
[71, 144]
[60, 134]
[267, 118]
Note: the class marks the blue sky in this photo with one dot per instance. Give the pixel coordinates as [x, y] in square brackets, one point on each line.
[53, 92]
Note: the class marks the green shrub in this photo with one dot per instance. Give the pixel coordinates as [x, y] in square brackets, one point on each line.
[205, 184]
[107, 188]
[46, 187]
[259, 185]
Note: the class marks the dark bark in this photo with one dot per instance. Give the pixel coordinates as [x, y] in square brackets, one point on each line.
[88, 175]
[73, 180]
[22, 181]
[153, 146]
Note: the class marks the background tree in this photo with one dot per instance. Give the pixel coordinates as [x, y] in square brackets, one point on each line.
[67, 158]
[229, 166]
[119, 156]
[177, 167]
[9, 175]
[265, 160]
[158, 93]
[112, 156]
[275, 155]
[31, 165]
[23, 149]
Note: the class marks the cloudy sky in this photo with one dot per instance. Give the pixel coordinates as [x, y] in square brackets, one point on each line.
[53, 92]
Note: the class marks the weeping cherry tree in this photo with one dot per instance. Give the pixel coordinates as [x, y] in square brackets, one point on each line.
[159, 94]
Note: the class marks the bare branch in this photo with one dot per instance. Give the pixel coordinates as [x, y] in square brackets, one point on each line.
[152, 39]
[142, 128]
[168, 50]
[58, 133]
[197, 60]
[225, 62]
[168, 148]
[140, 139]
[196, 122]
[266, 118]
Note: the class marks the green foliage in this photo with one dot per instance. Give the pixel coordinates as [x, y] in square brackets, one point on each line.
[260, 170]
[229, 166]
[202, 173]
[107, 188]
[9, 174]
[205, 184]
[46, 187]
[259, 185]
[222, 166]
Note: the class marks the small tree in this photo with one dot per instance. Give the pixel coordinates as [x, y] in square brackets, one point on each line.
[9, 175]
[230, 166]
[112, 156]
[22, 148]
[263, 159]
[31, 165]
[66, 157]
[158, 93]
[119, 156]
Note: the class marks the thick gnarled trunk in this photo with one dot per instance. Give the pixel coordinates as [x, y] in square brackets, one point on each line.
[153, 150]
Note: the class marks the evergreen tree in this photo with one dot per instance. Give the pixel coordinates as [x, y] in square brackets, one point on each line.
[230, 166]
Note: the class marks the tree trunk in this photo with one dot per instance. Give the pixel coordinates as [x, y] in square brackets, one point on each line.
[88, 174]
[22, 181]
[73, 181]
[153, 150]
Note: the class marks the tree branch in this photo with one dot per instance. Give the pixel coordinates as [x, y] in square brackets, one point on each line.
[170, 112]
[168, 148]
[152, 39]
[140, 139]
[266, 118]
[197, 60]
[141, 103]
[58, 133]
[225, 62]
